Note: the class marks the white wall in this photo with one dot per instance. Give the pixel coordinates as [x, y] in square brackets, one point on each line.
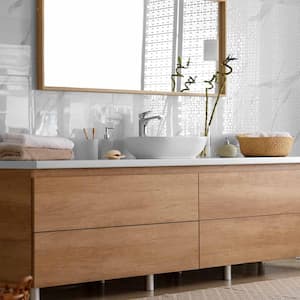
[262, 94]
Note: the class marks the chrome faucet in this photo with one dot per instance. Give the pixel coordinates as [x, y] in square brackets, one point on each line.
[143, 122]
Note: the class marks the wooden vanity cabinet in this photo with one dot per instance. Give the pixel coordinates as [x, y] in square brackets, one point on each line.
[75, 256]
[250, 239]
[87, 225]
[72, 226]
[249, 214]
[247, 191]
[81, 202]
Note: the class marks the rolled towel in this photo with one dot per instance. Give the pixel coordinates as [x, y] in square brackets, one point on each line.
[18, 152]
[35, 141]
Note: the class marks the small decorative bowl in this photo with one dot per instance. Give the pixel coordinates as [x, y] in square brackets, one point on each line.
[265, 146]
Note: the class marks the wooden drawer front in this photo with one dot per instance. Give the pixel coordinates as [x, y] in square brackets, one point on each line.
[89, 255]
[241, 240]
[106, 201]
[249, 191]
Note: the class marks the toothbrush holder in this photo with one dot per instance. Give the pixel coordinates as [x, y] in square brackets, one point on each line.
[86, 149]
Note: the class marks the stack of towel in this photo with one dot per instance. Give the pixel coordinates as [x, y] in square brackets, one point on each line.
[31, 147]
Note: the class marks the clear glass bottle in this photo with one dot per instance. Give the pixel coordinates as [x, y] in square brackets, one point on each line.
[106, 144]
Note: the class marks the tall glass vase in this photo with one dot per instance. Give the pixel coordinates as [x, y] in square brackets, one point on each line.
[207, 149]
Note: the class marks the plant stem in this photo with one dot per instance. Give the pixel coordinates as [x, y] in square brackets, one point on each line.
[216, 103]
[206, 112]
[219, 77]
[208, 124]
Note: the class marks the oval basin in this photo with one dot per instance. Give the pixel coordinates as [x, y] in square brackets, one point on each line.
[165, 147]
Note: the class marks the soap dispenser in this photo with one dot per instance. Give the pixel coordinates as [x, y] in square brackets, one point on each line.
[106, 144]
[228, 149]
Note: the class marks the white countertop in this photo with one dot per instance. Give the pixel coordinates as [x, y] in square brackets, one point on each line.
[139, 163]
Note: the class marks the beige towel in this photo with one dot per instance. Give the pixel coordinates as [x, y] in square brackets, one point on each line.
[17, 152]
[35, 141]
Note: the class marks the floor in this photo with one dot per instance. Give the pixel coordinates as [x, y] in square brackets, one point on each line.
[131, 288]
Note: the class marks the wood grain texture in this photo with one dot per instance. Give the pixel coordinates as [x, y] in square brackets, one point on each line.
[115, 171]
[202, 170]
[106, 201]
[15, 226]
[40, 43]
[118, 91]
[243, 240]
[249, 192]
[90, 255]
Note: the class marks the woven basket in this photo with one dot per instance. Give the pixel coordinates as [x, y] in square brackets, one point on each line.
[265, 146]
[16, 292]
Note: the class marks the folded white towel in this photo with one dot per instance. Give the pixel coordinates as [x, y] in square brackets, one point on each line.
[35, 141]
[269, 134]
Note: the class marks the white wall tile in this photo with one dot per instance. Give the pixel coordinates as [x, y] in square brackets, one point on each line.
[262, 92]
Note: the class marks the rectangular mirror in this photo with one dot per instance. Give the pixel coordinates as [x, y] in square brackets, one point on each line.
[129, 46]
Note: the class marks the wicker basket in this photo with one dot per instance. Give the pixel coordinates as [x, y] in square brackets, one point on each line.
[16, 292]
[265, 146]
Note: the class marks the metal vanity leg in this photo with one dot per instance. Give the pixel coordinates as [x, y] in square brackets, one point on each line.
[227, 273]
[35, 294]
[260, 268]
[150, 283]
[103, 282]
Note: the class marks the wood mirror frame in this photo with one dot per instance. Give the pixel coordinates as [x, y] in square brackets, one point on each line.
[40, 59]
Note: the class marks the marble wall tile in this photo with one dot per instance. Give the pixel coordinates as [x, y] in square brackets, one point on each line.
[262, 93]
[15, 65]
[15, 60]
[68, 113]
[16, 21]
[15, 93]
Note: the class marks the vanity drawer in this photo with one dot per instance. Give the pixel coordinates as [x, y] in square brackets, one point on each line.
[243, 240]
[245, 191]
[76, 256]
[78, 202]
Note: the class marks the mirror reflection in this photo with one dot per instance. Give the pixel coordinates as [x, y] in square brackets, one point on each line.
[143, 46]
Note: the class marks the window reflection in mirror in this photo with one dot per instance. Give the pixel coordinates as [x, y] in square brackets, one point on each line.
[93, 43]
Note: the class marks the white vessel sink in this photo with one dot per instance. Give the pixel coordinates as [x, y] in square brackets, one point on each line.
[165, 147]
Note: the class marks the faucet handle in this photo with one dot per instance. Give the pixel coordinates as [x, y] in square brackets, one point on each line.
[144, 114]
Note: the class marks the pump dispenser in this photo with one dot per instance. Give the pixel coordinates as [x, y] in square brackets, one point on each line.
[106, 144]
[228, 149]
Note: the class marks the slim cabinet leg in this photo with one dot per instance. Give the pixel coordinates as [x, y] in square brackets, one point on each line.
[35, 294]
[150, 283]
[260, 268]
[227, 273]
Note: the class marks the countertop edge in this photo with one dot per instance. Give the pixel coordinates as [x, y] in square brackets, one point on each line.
[145, 163]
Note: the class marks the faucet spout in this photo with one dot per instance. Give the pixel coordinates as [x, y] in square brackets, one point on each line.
[153, 118]
[143, 122]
